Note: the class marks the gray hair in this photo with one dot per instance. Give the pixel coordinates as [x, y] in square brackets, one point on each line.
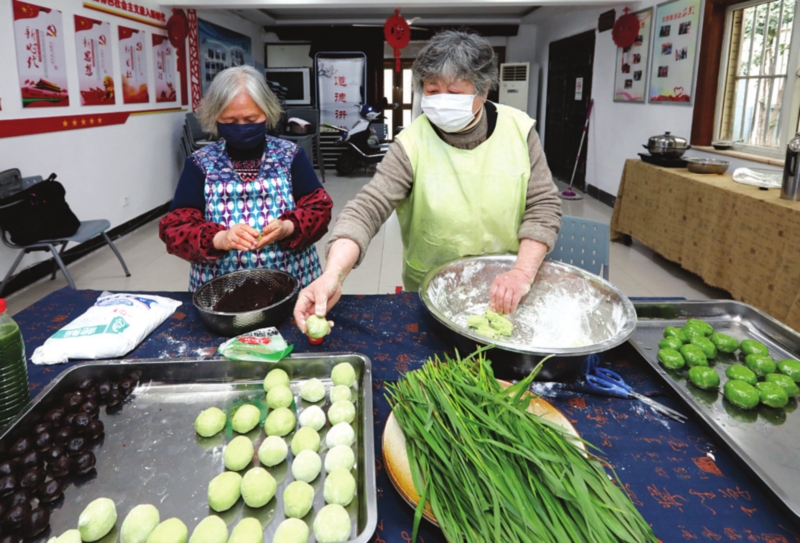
[229, 83]
[456, 55]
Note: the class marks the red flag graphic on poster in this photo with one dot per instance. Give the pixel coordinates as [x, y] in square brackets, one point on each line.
[95, 68]
[164, 62]
[39, 37]
[133, 65]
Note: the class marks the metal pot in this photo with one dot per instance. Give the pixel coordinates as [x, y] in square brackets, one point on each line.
[667, 145]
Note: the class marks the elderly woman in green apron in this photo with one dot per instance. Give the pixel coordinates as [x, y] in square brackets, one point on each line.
[468, 177]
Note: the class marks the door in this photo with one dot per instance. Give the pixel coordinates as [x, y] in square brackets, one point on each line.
[569, 89]
[398, 90]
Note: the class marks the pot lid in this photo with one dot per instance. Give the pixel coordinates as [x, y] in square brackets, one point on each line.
[667, 140]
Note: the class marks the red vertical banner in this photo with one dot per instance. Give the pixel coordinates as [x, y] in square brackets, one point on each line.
[194, 60]
[133, 65]
[95, 66]
[164, 65]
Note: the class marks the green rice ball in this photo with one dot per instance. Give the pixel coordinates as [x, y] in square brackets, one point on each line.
[298, 497]
[313, 417]
[291, 530]
[305, 439]
[279, 396]
[341, 392]
[306, 466]
[312, 390]
[258, 487]
[332, 524]
[279, 422]
[340, 487]
[274, 378]
[342, 411]
[211, 529]
[340, 434]
[343, 374]
[340, 457]
[238, 453]
[272, 451]
[246, 418]
[210, 422]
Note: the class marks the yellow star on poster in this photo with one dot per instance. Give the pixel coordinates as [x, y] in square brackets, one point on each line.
[91, 120]
[99, 120]
[65, 123]
[74, 122]
[83, 122]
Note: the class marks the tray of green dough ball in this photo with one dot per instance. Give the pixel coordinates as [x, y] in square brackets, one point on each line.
[738, 370]
[212, 451]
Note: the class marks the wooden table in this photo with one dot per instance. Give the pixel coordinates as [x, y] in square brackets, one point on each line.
[735, 237]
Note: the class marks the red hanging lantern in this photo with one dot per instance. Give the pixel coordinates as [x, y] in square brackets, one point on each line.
[625, 30]
[177, 30]
[397, 34]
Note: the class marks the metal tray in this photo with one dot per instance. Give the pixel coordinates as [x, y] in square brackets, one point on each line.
[151, 454]
[765, 440]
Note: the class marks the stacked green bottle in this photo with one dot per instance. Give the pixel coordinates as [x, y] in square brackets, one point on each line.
[14, 391]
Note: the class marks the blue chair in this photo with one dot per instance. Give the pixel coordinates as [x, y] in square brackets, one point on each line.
[86, 231]
[583, 243]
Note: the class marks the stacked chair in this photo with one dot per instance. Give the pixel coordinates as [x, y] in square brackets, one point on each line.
[193, 137]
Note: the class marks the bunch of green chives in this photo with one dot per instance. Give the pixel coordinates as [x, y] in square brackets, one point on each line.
[494, 472]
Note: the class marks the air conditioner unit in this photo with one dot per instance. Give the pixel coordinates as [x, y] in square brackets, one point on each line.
[514, 80]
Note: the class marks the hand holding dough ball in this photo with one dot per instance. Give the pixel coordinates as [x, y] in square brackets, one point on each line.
[258, 487]
[139, 523]
[340, 487]
[313, 417]
[210, 422]
[306, 466]
[340, 434]
[224, 490]
[341, 392]
[312, 390]
[343, 374]
[274, 378]
[248, 530]
[170, 531]
[332, 524]
[238, 453]
[340, 457]
[280, 422]
[297, 499]
[279, 396]
[342, 411]
[272, 451]
[246, 418]
[291, 530]
[210, 530]
[97, 519]
[318, 327]
[305, 439]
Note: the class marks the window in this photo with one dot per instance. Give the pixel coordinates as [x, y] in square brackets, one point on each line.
[755, 105]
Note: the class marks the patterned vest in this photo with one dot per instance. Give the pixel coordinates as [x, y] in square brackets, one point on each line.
[229, 201]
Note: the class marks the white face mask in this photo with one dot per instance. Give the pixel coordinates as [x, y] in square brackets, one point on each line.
[450, 112]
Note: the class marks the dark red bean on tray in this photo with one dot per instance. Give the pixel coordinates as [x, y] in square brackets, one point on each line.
[50, 491]
[42, 427]
[43, 441]
[84, 463]
[18, 497]
[60, 467]
[113, 398]
[12, 538]
[54, 453]
[36, 522]
[95, 430]
[91, 407]
[20, 447]
[8, 484]
[126, 386]
[76, 445]
[30, 460]
[86, 384]
[81, 422]
[90, 394]
[73, 400]
[68, 419]
[32, 479]
[55, 416]
[104, 388]
[64, 434]
[15, 516]
[9, 467]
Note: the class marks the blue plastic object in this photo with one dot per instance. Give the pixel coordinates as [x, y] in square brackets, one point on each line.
[583, 243]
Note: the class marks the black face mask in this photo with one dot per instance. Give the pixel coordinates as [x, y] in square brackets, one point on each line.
[243, 136]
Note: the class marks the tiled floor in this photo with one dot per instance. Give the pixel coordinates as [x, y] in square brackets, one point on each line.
[636, 270]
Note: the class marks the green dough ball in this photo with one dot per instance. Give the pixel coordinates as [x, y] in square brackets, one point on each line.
[694, 356]
[340, 392]
[340, 457]
[343, 374]
[671, 331]
[313, 417]
[670, 342]
[724, 343]
[139, 523]
[751, 346]
[703, 377]
[210, 422]
[741, 373]
[279, 396]
[239, 453]
[248, 530]
[332, 524]
[477, 321]
[340, 434]
[70, 536]
[741, 394]
[170, 531]
[305, 439]
[312, 390]
[487, 331]
[340, 487]
[760, 364]
[706, 345]
[279, 422]
[306, 466]
[272, 451]
[97, 519]
[224, 491]
[291, 530]
[342, 411]
[790, 368]
[497, 321]
[704, 327]
[317, 327]
[210, 530]
[258, 487]
[783, 381]
[692, 332]
[246, 418]
[772, 394]
[297, 499]
[274, 378]
[671, 359]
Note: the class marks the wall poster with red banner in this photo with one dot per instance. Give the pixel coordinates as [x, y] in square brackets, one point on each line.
[39, 36]
[133, 65]
[95, 68]
[164, 62]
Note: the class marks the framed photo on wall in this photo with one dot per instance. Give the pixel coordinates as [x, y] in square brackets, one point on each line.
[630, 73]
[677, 25]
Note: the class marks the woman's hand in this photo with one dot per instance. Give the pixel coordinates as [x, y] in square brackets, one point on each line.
[507, 290]
[318, 297]
[241, 237]
[275, 231]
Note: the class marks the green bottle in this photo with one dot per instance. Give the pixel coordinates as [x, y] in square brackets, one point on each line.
[14, 391]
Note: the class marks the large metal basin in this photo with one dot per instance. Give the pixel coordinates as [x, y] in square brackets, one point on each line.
[569, 313]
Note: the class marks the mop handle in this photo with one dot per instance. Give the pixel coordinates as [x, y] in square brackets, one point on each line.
[583, 137]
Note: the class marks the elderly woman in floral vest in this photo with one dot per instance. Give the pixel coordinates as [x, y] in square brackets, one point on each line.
[248, 200]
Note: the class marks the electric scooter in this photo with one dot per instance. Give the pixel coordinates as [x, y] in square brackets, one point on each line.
[363, 145]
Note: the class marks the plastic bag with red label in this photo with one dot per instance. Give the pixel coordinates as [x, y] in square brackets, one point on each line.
[264, 345]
